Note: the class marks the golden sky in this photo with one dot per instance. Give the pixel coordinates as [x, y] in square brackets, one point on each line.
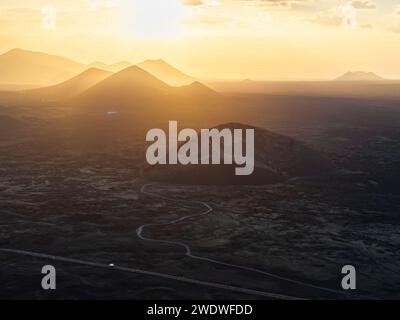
[259, 39]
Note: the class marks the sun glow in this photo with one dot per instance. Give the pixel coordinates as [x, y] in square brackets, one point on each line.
[157, 18]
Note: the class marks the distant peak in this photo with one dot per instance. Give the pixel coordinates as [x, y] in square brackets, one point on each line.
[93, 70]
[134, 72]
[133, 69]
[166, 72]
[199, 87]
[37, 54]
[155, 61]
[197, 84]
[17, 50]
[359, 72]
[359, 76]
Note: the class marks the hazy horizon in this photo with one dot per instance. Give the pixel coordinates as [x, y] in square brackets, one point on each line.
[267, 40]
[93, 64]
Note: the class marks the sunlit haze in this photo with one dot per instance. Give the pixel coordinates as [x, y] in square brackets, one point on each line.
[237, 39]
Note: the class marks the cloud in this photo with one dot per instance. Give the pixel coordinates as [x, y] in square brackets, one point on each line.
[329, 18]
[395, 28]
[394, 25]
[363, 4]
[19, 14]
[98, 5]
[192, 2]
[284, 4]
[211, 3]
[396, 11]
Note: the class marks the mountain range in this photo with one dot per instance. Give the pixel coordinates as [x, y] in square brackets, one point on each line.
[24, 69]
[138, 93]
[100, 108]
[21, 67]
[73, 86]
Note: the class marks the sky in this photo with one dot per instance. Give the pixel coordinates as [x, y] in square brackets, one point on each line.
[236, 39]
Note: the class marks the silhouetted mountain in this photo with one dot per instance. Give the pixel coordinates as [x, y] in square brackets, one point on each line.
[115, 67]
[71, 87]
[166, 72]
[359, 76]
[277, 158]
[198, 89]
[137, 92]
[22, 67]
[282, 154]
[123, 91]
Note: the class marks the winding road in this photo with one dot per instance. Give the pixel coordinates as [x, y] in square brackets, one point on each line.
[188, 250]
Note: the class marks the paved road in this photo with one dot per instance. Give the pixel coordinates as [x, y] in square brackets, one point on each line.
[188, 250]
[150, 273]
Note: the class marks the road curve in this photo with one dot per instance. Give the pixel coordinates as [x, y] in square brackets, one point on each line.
[188, 250]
